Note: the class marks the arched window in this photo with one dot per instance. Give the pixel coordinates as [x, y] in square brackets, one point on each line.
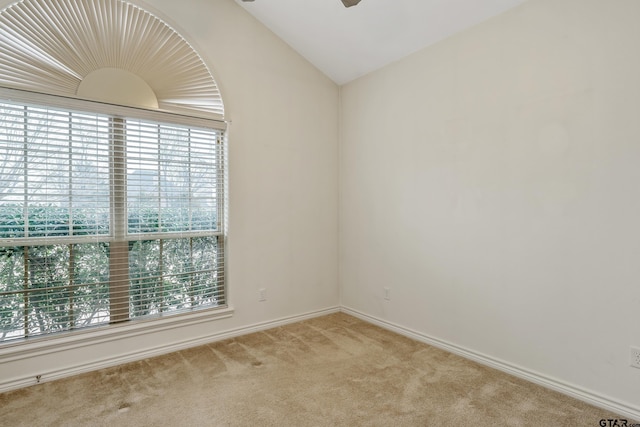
[112, 169]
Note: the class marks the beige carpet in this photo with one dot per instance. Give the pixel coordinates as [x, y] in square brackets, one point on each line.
[330, 371]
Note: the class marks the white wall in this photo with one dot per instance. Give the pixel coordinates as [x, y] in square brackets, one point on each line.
[492, 182]
[283, 183]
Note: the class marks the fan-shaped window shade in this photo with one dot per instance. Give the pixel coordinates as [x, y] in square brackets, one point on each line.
[52, 46]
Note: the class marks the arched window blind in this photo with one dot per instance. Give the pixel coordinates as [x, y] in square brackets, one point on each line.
[53, 46]
[108, 213]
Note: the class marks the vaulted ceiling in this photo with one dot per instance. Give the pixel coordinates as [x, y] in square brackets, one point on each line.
[346, 43]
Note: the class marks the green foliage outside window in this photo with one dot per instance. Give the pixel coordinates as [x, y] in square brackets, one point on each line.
[59, 287]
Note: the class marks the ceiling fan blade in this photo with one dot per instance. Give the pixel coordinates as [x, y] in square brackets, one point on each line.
[349, 3]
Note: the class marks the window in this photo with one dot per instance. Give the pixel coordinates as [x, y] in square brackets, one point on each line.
[107, 214]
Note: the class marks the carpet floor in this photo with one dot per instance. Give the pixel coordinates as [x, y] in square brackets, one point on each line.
[333, 370]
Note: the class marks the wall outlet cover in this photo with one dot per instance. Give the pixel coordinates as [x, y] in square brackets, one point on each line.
[635, 357]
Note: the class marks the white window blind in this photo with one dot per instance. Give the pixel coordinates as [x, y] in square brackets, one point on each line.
[50, 46]
[106, 218]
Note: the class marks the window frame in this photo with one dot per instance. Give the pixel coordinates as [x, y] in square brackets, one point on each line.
[118, 327]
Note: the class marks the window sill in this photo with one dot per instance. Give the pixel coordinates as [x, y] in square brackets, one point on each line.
[21, 349]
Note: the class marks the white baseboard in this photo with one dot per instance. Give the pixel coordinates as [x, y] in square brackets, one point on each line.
[623, 409]
[48, 348]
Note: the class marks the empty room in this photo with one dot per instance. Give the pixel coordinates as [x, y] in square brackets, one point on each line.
[319, 212]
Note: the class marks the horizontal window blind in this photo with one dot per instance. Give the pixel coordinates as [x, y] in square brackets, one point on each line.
[106, 218]
[55, 173]
[170, 174]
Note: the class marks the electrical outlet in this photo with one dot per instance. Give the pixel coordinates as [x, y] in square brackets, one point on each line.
[263, 295]
[635, 357]
[387, 294]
